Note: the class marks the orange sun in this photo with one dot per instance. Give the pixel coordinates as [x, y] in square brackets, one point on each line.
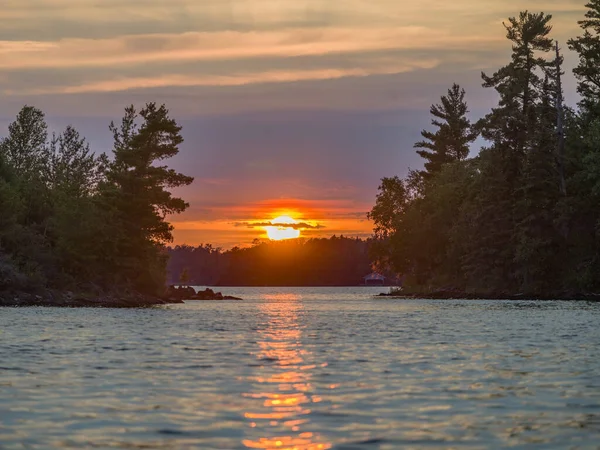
[279, 233]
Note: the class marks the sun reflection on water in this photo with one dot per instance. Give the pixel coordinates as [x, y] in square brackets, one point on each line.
[283, 394]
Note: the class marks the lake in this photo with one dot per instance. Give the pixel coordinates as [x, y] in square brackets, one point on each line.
[303, 368]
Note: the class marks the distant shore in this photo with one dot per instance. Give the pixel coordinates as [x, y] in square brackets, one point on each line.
[461, 295]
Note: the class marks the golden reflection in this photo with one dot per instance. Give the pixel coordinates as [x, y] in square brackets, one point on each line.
[282, 402]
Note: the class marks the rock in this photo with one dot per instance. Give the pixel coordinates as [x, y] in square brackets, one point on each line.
[179, 293]
[209, 294]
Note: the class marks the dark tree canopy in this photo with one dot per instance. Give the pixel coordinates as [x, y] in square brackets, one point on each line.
[523, 215]
[25, 148]
[588, 48]
[72, 219]
[337, 261]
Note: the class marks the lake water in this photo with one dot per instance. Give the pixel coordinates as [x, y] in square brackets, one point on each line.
[302, 368]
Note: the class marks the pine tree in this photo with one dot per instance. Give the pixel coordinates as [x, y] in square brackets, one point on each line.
[538, 241]
[513, 130]
[137, 193]
[73, 168]
[450, 142]
[519, 85]
[588, 69]
[25, 147]
[581, 211]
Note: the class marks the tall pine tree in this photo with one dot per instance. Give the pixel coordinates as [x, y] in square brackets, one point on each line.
[450, 142]
[588, 48]
[136, 192]
[512, 129]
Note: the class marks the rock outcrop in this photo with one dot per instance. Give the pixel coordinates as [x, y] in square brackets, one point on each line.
[188, 293]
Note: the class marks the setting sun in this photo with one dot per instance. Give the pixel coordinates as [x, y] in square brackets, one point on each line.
[279, 231]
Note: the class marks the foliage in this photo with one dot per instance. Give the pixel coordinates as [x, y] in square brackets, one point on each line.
[588, 48]
[502, 222]
[25, 148]
[74, 219]
[136, 195]
[454, 134]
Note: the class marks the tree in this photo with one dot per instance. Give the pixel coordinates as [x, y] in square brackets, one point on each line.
[25, 155]
[73, 168]
[519, 83]
[588, 48]
[488, 224]
[454, 134]
[538, 240]
[10, 201]
[391, 200]
[25, 147]
[513, 128]
[136, 192]
[393, 197]
[184, 276]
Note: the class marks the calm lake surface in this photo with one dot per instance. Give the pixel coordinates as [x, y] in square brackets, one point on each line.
[302, 368]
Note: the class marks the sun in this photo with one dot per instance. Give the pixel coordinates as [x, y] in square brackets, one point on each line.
[279, 233]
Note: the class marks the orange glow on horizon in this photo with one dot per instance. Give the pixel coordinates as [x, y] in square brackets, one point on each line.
[239, 225]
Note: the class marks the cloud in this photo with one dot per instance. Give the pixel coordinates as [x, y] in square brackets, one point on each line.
[226, 80]
[194, 51]
[54, 19]
[294, 226]
[227, 45]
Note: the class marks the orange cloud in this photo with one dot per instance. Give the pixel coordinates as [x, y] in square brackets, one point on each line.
[123, 84]
[227, 45]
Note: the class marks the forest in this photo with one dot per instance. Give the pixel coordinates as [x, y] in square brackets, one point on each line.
[73, 220]
[523, 215]
[337, 261]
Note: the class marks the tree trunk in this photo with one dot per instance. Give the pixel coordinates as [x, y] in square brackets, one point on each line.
[560, 126]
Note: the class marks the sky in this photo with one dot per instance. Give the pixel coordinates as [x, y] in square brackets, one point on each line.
[294, 107]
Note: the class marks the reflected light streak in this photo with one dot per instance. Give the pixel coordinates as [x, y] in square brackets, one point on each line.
[281, 417]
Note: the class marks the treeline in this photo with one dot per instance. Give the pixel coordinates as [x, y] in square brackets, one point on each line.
[523, 216]
[337, 261]
[74, 220]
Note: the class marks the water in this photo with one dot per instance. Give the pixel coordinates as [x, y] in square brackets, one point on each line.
[302, 369]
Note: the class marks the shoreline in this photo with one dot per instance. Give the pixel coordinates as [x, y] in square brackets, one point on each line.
[127, 299]
[458, 295]
[68, 299]
[173, 295]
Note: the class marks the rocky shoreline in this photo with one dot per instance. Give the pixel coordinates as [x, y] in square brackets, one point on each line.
[68, 299]
[461, 295]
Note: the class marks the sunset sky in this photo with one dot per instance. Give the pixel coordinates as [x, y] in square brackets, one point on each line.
[294, 107]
